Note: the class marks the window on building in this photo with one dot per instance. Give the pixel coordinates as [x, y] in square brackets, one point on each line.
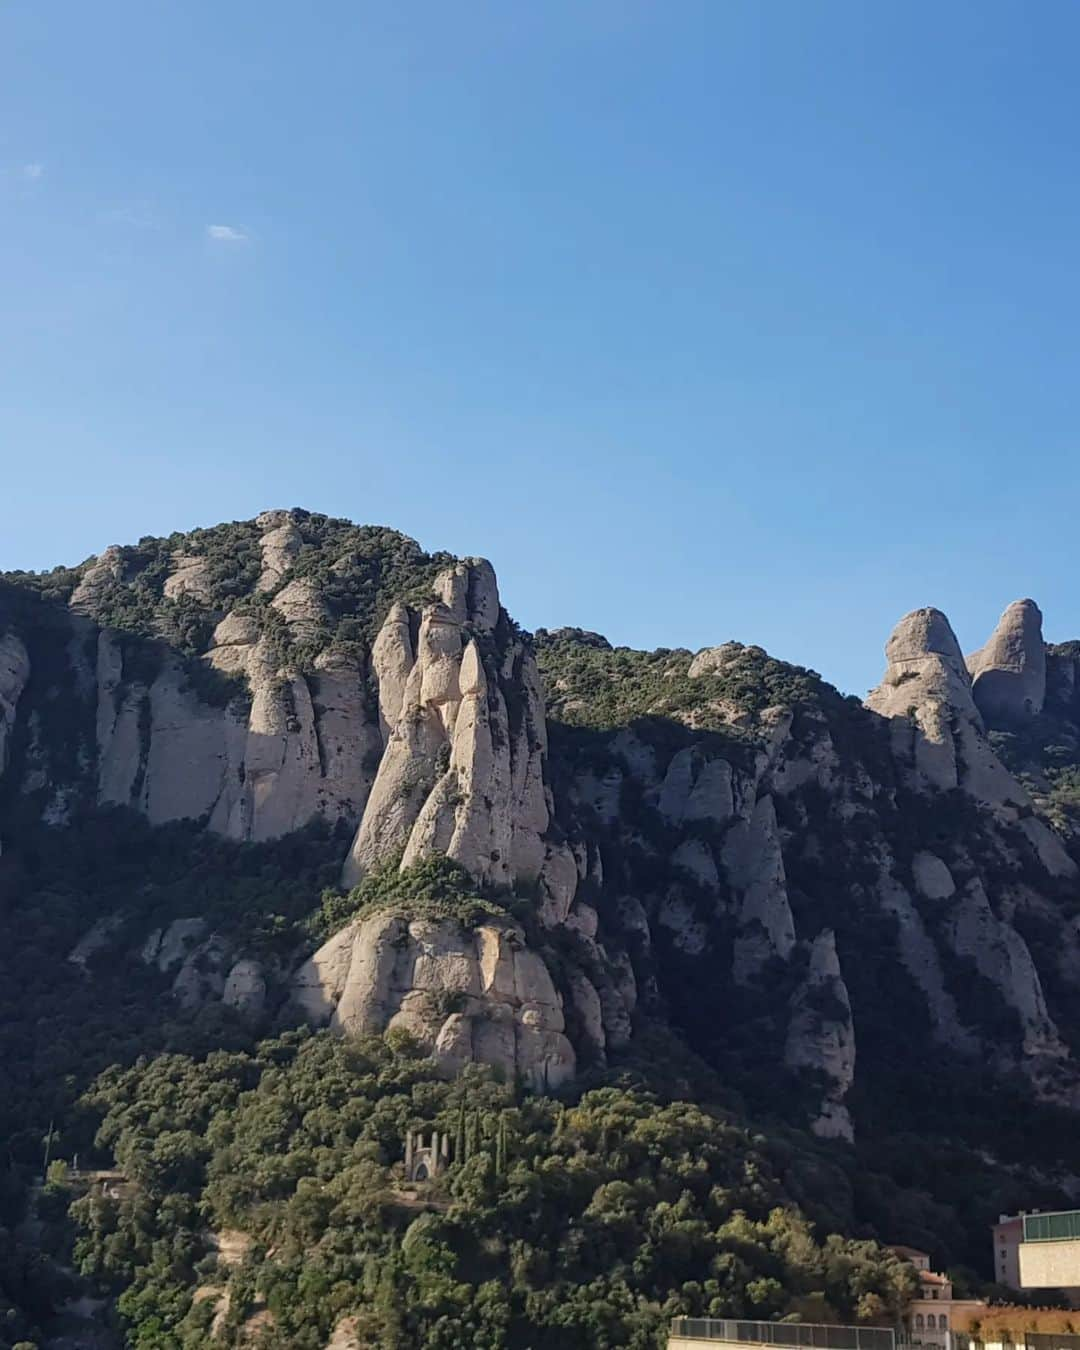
[930, 1321]
[943, 1321]
[918, 1321]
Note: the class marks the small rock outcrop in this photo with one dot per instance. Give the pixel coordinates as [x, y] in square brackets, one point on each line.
[933, 880]
[712, 659]
[189, 576]
[281, 541]
[821, 1036]
[465, 994]
[99, 938]
[102, 572]
[245, 988]
[1008, 675]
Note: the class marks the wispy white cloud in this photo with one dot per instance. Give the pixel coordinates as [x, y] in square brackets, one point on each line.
[227, 234]
[139, 215]
[33, 171]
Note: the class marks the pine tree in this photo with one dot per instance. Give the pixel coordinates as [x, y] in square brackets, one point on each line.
[500, 1148]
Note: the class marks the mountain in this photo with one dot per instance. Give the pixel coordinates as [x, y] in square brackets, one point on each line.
[293, 776]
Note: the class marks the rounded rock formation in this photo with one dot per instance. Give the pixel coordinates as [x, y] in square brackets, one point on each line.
[1009, 674]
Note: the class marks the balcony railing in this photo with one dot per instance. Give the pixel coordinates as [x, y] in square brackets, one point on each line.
[1056, 1227]
[812, 1335]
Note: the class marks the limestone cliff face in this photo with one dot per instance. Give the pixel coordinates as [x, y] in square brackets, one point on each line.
[466, 995]
[699, 856]
[300, 749]
[821, 1035]
[434, 742]
[430, 742]
[733, 854]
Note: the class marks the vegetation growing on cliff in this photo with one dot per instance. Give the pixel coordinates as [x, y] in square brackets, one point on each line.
[433, 889]
[593, 686]
[599, 1219]
[358, 571]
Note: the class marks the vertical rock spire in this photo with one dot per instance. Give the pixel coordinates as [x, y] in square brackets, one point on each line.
[1009, 674]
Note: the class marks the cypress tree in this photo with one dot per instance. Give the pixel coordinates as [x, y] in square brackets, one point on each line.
[460, 1148]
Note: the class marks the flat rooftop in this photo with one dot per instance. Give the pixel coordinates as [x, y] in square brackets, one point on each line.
[813, 1335]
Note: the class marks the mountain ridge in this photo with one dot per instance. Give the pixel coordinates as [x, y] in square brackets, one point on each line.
[818, 896]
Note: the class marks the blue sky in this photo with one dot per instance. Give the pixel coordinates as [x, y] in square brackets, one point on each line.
[701, 320]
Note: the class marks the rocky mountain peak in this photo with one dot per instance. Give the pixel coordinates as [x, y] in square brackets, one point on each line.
[1009, 673]
[669, 835]
[923, 636]
[938, 735]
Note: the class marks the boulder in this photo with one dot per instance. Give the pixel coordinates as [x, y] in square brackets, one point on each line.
[932, 877]
[168, 947]
[202, 977]
[245, 988]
